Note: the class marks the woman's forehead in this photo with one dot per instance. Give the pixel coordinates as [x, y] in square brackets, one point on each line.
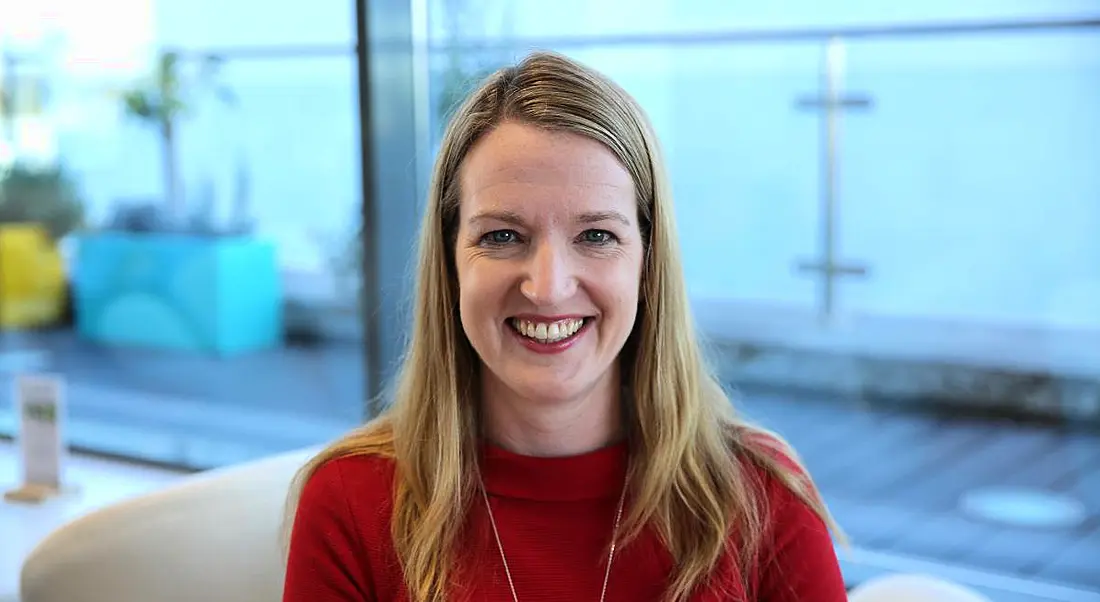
[524, 169]
[514, 153]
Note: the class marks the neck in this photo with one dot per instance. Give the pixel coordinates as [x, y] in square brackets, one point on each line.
[534, 427]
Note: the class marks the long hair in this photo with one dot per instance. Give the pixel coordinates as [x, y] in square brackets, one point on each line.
[692, 457]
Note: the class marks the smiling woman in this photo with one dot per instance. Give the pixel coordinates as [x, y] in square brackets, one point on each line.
[555, 434]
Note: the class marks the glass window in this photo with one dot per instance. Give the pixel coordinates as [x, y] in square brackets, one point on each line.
[888, 243]
[210, 300]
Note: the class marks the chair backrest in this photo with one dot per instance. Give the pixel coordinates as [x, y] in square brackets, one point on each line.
[913, 588]
[213, 538]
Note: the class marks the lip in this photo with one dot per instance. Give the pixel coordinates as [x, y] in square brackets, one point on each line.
[551, 348]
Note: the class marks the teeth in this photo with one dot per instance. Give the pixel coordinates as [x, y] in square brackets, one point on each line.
[548, 332]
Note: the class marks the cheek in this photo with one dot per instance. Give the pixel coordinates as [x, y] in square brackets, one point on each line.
[467, 293]
[620, 289]
[480, 288]
[632, 289]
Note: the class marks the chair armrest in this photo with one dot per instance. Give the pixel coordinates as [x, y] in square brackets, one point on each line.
[212, 537]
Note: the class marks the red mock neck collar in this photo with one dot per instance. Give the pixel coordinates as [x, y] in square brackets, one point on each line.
[596, 474]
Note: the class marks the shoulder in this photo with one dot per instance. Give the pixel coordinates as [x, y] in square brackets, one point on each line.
[357, 470]
[754, 443]
[344, 510]
[771, 462]
[791, 500]
[339, 543]
[355, 482]
[797, 535]
[789, 497]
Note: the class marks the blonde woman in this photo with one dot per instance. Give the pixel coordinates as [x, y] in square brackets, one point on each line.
[554, 433]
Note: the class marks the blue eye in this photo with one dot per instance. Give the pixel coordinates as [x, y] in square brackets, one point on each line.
[500, 237]
[598, 237]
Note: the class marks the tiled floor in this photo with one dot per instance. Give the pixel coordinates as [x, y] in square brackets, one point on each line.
[95, 483]
[895, 482]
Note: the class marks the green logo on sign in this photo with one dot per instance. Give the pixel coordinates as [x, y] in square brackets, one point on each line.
[42, 412]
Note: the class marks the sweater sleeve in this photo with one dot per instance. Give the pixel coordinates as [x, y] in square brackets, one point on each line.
[800, 562]
[327, 562]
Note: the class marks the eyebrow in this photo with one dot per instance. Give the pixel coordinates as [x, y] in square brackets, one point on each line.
[508, 217]
[603, 216]
[511, 217]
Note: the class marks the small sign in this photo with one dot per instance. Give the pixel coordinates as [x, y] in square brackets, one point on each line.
[40, 400]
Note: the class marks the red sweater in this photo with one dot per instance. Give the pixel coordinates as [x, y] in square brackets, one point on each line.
[555, 518]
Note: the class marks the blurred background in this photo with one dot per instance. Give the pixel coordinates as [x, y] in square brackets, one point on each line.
[890, 218]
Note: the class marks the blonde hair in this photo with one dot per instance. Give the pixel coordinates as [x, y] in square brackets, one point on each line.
[692, 458]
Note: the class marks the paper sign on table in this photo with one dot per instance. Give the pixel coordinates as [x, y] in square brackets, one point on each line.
[40, 401]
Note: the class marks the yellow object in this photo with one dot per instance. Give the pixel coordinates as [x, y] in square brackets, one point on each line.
[32, 277]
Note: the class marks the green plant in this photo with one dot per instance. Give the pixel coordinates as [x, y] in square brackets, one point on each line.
[165, 98]
[47, 196]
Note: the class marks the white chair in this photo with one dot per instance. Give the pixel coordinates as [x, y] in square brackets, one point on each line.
[913, 588]
[213, 537]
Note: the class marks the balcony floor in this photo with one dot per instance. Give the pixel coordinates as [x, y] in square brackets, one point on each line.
[893, 479]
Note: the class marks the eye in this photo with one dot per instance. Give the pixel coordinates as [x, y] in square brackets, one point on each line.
[500, 238]
[598, 237]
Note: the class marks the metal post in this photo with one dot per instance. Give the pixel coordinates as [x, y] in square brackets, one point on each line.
[390, 219]
[827, 266]
[373, 368]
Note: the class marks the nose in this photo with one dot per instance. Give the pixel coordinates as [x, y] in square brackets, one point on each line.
[549, 277]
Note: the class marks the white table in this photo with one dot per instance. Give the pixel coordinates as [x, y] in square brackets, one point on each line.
[97, 483]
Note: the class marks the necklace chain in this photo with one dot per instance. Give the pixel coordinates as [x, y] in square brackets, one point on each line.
[504, 558]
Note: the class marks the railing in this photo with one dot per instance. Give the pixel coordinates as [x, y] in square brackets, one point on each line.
[808, 34]
[831, 102]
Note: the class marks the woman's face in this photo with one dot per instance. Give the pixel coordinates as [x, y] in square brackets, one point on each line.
[549, 259]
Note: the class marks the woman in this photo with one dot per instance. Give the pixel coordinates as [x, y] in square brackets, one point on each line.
[554, 434]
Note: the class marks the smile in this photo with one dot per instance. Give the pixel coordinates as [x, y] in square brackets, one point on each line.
[555, 335]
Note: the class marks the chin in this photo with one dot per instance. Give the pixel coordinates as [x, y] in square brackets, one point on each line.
[547, 388]
[547, 392]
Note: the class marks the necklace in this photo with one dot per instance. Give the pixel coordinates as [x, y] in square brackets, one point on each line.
[504, 558]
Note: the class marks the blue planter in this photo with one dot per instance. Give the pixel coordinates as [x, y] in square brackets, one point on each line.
[173, 291]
